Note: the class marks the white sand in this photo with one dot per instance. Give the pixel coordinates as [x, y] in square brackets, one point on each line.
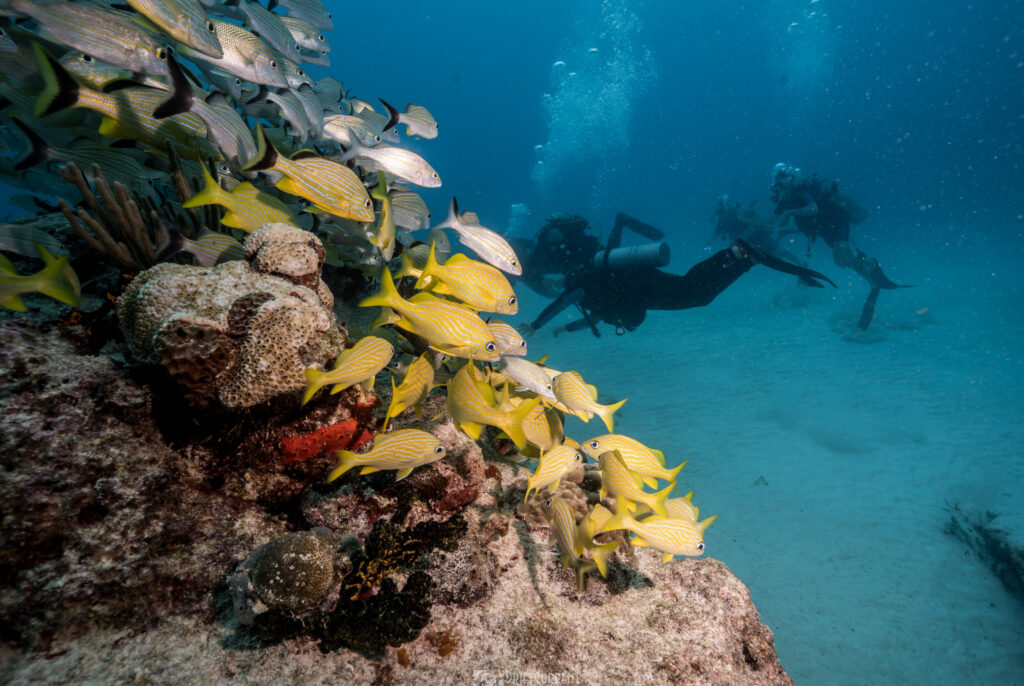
[831, 462]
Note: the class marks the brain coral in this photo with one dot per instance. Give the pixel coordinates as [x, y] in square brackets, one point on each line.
[242, 332]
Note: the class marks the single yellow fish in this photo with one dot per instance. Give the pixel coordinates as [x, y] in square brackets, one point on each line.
[572, 391]
[510, 341]
[627, 486]
[359, 364]
[50, 281]
[419, 378]
[447, 327]
[403, 450]
[248, 208]
[552, 466]
[332, 187]
[672, 536]
[478, 285]
[384, 238]
[471, 404]
[637, 456]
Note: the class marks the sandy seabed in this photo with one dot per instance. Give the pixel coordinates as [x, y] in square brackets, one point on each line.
[833, 457]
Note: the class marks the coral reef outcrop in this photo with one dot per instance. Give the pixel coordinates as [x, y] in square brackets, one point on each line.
[242, 332]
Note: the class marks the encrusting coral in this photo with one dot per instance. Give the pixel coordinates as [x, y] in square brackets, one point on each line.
[242, 332]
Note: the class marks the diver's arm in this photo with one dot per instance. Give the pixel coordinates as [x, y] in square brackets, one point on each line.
[808, 210]
[568, 297]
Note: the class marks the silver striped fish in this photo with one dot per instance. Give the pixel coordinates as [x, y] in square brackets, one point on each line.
[403, 450]
[416, 119]
[489, 245]
[348, 130]
[106, 35]
[245, 55]
[411, 213]
[306, 35]
[183, 20]
[312, 11]
[270, 28]
[404, 164]
[529, 376]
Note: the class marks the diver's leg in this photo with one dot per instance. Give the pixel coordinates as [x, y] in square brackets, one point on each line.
[808, 276]
[698, 287]
[849, 258]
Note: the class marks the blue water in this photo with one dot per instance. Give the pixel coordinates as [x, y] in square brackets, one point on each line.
[830, 461]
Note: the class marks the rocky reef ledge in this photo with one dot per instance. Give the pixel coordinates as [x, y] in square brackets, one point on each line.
[145, 544]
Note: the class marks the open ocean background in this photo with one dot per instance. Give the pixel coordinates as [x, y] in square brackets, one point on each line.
[832, 462]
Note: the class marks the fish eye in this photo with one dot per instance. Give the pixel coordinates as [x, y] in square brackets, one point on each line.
[368, 203]
[522, 344]
[320, 37]
[548, 386]
[439, 450]
[300, 72]
[161, 54]
[512, 300]
[210, 27]
[547, 502]
[434, 175]
[376, 139]
[595, 445]
[700, 547]
[490, 347]
[86, 58]
[577, 457]
[273, 64]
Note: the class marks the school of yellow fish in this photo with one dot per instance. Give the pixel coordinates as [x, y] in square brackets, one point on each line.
[221, 84]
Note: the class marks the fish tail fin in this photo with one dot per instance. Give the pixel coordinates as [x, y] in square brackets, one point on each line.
[429, 273]
[39, 150]
[314, 380]
[380, 191]
[211, 193]
[704, 524]
[60, 90]
[674, 474]
[387, 296]
[346, 461]
[51, 281]
[582, 567]
[658, 500]
[451, 221]
[182, 96]
[407, 268]
[393, 115]
[620, 520]
[607, 413]
[266, 154]
[601, 554]
[513, 427]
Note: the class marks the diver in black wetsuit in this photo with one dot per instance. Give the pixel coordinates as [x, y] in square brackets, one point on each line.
[819, 209]
[615, 287]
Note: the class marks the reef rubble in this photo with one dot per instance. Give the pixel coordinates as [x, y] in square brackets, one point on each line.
[140, 545]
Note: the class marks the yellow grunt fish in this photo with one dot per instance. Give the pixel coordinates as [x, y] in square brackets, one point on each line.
[384, 238]
[672, 536]
[552, 466]
[419, 378]
[447, 327]
[649, 464]
[50, 281]
[510, 341]
[248, 208]
[627, 487]
[471, 404]
[403, 450]
[543, 428]
[332, 187]
[478, 285]
[359, 364]
[572, 392]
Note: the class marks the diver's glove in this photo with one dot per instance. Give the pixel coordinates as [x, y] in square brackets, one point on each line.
[744, 250]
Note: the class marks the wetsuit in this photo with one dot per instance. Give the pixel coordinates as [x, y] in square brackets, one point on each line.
[622, 298]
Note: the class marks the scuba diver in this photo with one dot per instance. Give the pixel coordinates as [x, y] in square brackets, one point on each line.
[733, 221]
[818, 208]
[618, 285]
